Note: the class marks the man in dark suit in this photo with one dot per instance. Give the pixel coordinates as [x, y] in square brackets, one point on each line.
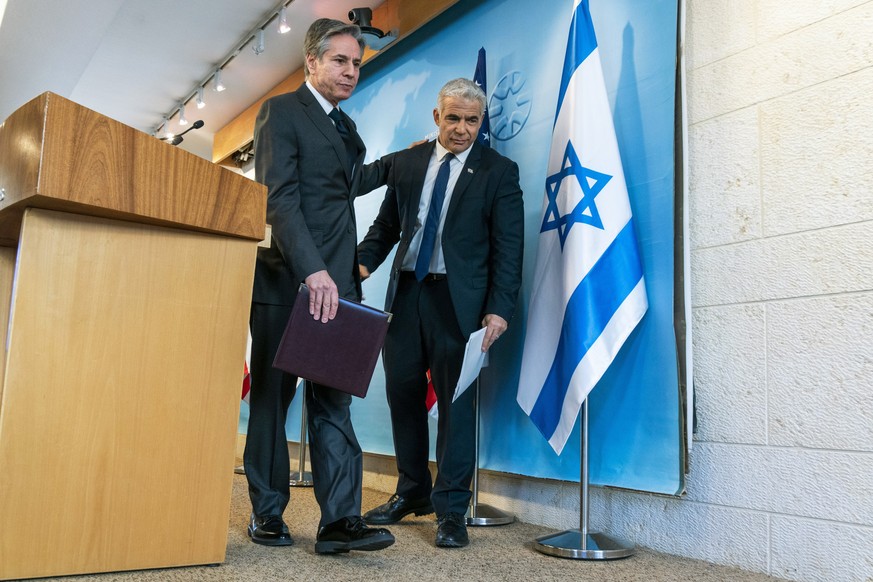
[309, 156]
[455, 207]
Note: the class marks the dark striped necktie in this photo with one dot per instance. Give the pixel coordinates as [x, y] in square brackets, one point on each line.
[345, 133]
[428, 237]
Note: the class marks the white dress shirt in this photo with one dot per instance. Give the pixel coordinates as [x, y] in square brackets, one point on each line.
[437, 264]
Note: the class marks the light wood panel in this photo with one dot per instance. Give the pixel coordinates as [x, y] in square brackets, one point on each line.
[402, 16]
[7, 273]
[119, 415]
[62, 156]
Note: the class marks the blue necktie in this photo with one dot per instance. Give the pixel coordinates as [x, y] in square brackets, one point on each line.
[346, 135]
[428, 238]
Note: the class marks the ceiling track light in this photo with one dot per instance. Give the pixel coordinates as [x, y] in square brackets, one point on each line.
[166, 126]
[219, 84]
[256, 37]
[283, 21]
[258, 45]
[182, 119]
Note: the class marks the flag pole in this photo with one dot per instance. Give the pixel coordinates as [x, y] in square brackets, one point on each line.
[302, 477]
[580, 544]
[480, 513]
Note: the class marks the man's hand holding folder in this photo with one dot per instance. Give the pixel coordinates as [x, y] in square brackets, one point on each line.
[339, 349]
[323, 296]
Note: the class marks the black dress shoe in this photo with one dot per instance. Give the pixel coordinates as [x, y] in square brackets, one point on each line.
[269, 530]
[396, 509]
[351, 533]
[452, 531]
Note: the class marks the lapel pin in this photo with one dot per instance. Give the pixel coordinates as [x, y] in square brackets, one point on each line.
[470, 170]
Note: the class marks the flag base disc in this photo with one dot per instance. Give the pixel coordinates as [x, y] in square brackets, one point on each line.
[300, 479]
[481, 514]
[596, 546]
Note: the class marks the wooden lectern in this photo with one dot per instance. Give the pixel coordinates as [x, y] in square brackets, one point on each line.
[126, 277]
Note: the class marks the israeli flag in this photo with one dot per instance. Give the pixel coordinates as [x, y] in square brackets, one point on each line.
[589, 291]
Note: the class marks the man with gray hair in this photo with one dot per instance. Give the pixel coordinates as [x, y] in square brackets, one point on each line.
[310, 157]
[455, 206]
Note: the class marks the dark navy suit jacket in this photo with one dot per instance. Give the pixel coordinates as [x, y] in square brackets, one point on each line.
[310, 200]
[482, 239]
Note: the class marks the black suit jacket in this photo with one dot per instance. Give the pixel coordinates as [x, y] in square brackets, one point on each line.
[483, 234]
[302, 160]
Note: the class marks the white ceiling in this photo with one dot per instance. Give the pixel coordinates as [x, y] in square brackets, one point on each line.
[134, 60]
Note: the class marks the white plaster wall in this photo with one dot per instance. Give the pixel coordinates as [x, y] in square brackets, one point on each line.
[780, 102]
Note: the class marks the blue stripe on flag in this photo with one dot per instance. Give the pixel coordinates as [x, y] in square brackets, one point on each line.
[581, 43]
[589, 310]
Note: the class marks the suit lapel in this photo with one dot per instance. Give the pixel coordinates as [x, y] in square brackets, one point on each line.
[468, 172]
[321, 121]
[360, 148]
[417, 173]
[359, 143]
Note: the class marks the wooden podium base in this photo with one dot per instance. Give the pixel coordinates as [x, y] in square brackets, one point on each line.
[120, 399]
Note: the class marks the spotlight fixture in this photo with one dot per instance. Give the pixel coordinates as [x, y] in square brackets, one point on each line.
[375, 38]
[199, 98]
[283, 21]
[258, 46]
[166, 125]
[182, 119]
[219, 85]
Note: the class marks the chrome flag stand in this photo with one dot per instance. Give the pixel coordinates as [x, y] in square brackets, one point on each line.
[480, 513]
[579, 544]
[302, 477]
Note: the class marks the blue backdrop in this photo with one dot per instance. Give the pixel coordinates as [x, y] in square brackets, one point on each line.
[636, 438]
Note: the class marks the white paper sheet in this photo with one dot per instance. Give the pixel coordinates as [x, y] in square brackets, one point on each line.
[474, 360]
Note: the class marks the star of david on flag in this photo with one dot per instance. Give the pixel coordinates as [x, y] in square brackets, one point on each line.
[589, 292]
[585, 211]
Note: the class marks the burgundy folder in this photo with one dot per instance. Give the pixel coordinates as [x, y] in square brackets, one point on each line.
[341, 353]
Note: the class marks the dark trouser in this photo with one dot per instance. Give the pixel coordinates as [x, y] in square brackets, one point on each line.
[335, 455]
[424, 334]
